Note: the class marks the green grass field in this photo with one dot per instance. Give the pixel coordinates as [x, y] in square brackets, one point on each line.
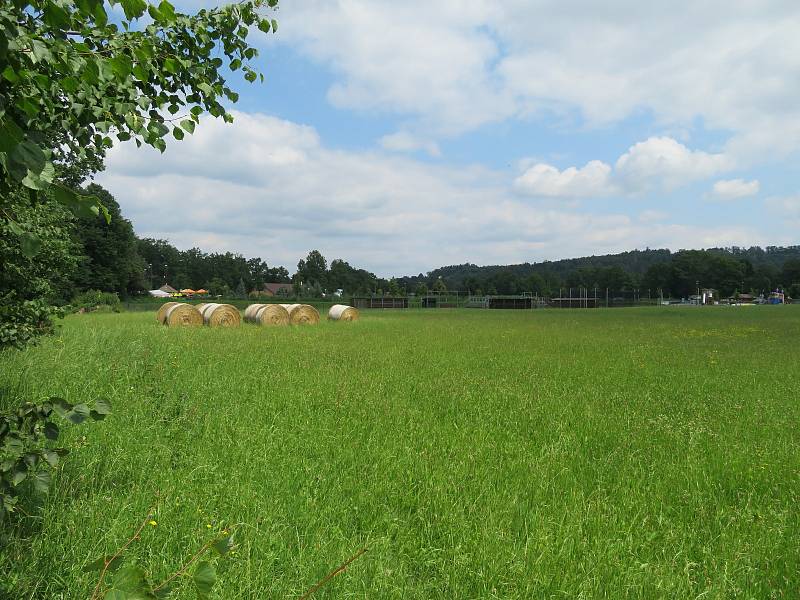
[628, 453]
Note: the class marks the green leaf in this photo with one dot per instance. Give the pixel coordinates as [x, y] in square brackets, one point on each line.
[80, 205]
[15, 228]
[51, 457]
[171, 65]
[205, 576]
[70, 84]
[60, 406]
[42, 180]
[167, 11]
[51, 431]
[28, 155]
[131, 580]
[133, 8]
[122, 66]
[41, 481]
[264, 25]
[165, 590]
[78, 414]
[55, 16]
[102, 209]
[274, 26]
[30, 243]
[114, 563]
[100, 15]
[141, 72]
[113, 594]
[188, 125]
[153, 12]
[223, 545]
[102, 406]
[19, 474]
[14, 446]
[10, 75]
[10, 135]
[177, 132]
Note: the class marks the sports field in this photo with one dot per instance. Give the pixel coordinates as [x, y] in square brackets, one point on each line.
[624, 453]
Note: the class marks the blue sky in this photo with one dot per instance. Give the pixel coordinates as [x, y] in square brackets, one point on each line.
[406, 136]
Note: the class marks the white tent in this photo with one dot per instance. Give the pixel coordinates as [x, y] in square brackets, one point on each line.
[158, 294]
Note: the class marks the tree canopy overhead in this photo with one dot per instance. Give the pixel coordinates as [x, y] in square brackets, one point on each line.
[76, 74]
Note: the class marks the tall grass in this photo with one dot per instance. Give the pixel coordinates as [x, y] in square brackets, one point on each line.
[629, 453]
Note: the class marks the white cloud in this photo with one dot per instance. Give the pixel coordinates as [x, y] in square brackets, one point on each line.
[656, 163]
[733, 189]
[666, 162]
[268, 187]
[455, 66]
[541, 179]
[403, 141]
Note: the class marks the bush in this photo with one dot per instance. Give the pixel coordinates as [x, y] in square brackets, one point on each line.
[92, 300]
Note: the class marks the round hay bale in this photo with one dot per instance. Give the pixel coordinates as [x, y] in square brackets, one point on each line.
[250, 312]
[181, 315]
[342, 312]
[162, 311]
[302, 314]
[220, 315]
[272, 314]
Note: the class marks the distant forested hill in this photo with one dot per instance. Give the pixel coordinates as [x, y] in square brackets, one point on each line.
[674, 273]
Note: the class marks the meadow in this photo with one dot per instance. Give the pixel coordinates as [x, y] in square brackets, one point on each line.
[623, 453]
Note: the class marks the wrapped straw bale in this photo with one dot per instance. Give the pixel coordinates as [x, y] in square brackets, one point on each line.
[181, 314]
[162, 311]
[266, 314]
[250, 312]
[342, 312]
[302, 314]
[220, 315]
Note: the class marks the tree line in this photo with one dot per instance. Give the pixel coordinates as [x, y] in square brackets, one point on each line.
[86, 252]
[674, 274]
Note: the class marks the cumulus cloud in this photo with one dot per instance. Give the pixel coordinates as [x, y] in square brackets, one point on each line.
[403, 141]
[733, 189]
[666, 162]
[268, 187]
[546, 180]
[656, 163]
[455, 66]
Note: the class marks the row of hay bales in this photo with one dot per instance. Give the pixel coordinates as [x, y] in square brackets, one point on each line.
[175, 314]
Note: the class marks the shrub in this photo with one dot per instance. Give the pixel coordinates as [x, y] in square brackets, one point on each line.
[25, 454]
[91, 300]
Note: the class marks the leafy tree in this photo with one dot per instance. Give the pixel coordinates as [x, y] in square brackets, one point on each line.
[110, 261]
[241, 291]
[422, 289]
[439, 286]
[218, 287]
[71, 78]
[313, 269]
[394, 288]
[790, 273]
[31, 287]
